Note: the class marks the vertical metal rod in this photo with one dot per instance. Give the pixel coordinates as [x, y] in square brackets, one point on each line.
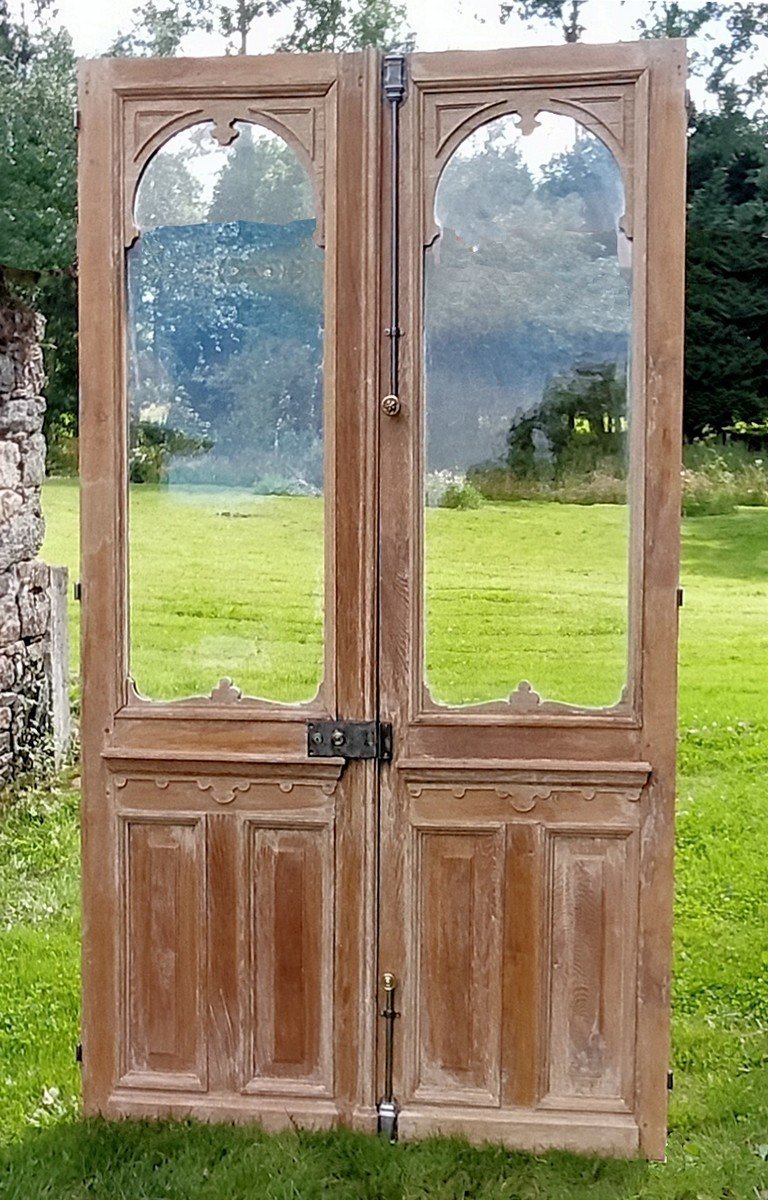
[388, 1108]
[393, 86]
[394, 93]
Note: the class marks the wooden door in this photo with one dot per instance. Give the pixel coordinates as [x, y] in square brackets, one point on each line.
[307, 303]
[228, 881]
[528, 648]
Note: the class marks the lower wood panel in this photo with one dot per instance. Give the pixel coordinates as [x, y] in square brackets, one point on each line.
[459, 964]
[593, 948]
[289, 958]
[164, 952]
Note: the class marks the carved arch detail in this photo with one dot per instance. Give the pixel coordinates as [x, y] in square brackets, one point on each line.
[301, 121]
[607, 111]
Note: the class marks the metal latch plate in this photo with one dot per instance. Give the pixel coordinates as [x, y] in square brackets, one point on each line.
[349, 739]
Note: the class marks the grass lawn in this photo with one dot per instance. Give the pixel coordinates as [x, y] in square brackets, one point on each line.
[718, 1145]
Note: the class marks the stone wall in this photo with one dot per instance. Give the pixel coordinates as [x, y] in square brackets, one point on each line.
[25, 688]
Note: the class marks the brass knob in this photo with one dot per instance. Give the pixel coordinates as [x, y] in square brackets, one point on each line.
[388, 981]
[390, 406]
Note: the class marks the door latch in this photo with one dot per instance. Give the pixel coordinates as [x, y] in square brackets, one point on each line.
[349, 739]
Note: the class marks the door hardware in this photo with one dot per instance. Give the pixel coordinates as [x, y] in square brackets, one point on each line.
[388, 1108]
[349, 739]
[393, 85]
[390, 406]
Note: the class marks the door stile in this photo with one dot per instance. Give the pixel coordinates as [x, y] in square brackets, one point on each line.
[356, 533]
[102, 524]
[665, 283]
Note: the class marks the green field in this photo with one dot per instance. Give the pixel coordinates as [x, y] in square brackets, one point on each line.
[718, 1145]
[229, 583]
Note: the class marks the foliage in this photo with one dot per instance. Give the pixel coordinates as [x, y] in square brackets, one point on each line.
[461, 496]
[603, 483]
[726, 375]
[716, 479]
[580, 422]
[523, 285]
[334, 25]
[157, 31]
[437, 483]
[745, 24]
[37, 185]
[62, 458]
[226, 329]
[315, 24]
[153, 448]
[565, 13]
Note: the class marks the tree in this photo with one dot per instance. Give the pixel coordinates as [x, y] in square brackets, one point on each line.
[262, 180]
[565, 13]
[522, 287]
[726, 375]
[37, 185]
[316, 24]
[334, 25]
[747, 26]
[157, 32]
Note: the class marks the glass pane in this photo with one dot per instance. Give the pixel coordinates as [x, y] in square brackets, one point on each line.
[527, 335]
[225, 327]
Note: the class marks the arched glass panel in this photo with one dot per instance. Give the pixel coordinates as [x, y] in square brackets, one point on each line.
[527, 340]
[225, 380]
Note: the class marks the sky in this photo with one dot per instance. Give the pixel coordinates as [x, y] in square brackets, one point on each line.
[463, 24]
[437, 25]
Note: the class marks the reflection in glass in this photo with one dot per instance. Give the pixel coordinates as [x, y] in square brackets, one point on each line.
[225, 379]
[527, 334]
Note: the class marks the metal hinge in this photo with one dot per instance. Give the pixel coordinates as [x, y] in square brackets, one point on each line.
[77, 590]
[680, 597]
[79, 1053]
[349, 739]
[670, 1080]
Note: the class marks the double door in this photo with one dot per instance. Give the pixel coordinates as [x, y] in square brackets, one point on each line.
[379, 456]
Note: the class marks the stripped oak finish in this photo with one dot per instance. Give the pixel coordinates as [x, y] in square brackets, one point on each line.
[513, 864]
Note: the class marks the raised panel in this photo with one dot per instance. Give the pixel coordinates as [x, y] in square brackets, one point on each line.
[593, 948]
[289, 959]
[459, 964]
[164, 953]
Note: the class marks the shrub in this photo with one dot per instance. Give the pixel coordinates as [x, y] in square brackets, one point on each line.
[437, 484]
[716, 479]
[461, 495]
[155, 446]
[62, 451]
[605, 484]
